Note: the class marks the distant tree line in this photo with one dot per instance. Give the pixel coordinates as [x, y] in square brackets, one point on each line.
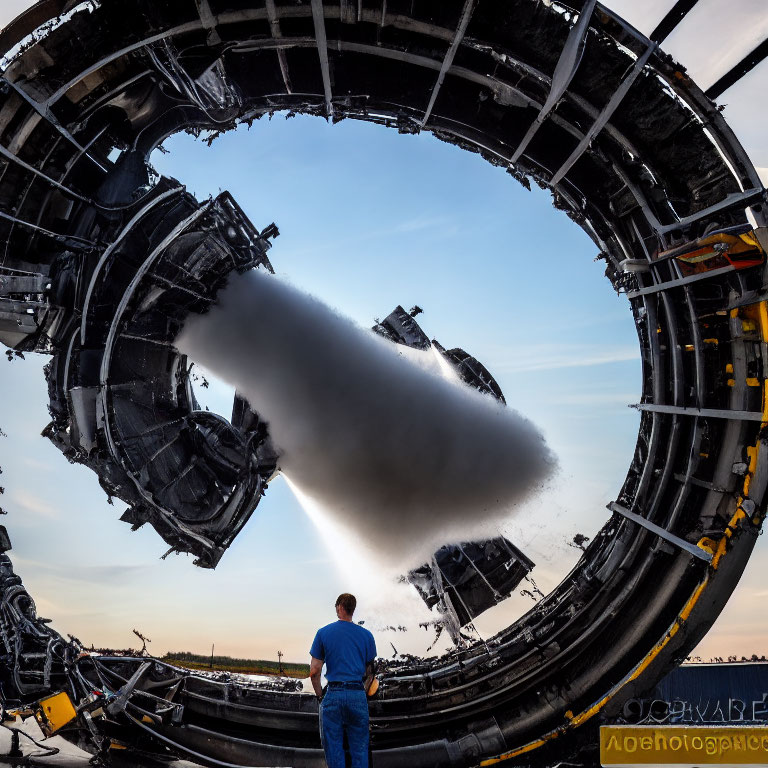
[722, 660]
[230, 664]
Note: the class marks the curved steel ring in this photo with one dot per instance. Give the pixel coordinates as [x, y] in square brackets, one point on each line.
[569, 96]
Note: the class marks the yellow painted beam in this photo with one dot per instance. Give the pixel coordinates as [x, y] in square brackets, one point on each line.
[758, 312]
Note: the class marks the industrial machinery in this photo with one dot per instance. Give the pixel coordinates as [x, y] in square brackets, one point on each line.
[463, 580]
[102, 261]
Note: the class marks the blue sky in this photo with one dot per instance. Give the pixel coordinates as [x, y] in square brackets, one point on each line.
[369, 219]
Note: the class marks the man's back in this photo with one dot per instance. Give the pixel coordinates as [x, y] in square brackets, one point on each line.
[346, 648]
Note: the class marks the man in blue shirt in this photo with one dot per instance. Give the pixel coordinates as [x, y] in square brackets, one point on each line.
[348, 651]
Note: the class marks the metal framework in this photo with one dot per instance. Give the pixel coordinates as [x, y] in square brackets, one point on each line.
[671, 21]
[567, 95]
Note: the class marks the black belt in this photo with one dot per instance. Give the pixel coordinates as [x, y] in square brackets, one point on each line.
[342, 684]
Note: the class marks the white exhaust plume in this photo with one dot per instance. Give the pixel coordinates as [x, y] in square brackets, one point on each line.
[394, 452]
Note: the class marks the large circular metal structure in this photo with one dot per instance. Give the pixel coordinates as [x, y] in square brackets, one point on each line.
[96, 271]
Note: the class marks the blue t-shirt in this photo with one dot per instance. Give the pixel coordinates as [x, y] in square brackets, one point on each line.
[346, 648]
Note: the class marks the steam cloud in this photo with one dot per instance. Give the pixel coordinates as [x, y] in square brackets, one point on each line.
[391, 450]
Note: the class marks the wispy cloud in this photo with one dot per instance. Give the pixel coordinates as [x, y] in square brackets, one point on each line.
[93, 575]
[33, 505]
[35, 464]
[422, 222]
[314, 561]
[599, 398]
[544, 359]
[437, 226]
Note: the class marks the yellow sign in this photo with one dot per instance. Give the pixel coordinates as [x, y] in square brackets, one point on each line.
[683, 745]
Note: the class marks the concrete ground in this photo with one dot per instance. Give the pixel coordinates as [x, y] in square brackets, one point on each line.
[68, 756]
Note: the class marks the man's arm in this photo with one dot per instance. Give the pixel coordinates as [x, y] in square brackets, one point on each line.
[370, 666]
[315, 670]
[369, 675]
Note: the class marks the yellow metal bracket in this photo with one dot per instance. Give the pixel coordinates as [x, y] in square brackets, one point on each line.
[54, 712]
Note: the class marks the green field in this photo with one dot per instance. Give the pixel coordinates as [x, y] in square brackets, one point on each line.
[238, 666]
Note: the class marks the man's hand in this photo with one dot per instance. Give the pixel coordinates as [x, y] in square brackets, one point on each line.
[315, 670]
[370, 673]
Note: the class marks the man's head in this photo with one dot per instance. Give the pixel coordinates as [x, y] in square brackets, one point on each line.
[345, 605]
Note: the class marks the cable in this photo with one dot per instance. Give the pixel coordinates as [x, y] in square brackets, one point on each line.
[47, 751]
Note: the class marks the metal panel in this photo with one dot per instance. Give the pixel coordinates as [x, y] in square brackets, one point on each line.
[567, 64]
[466, 15]
[661, 532]
[711, 413]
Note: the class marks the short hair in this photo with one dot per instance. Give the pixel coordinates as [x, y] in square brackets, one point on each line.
[347, 602]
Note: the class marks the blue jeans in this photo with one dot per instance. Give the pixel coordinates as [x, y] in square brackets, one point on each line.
[344, 711]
